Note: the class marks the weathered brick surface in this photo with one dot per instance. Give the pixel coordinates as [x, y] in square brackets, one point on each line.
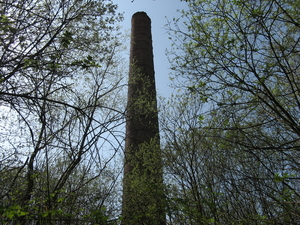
[142, 185]
[142, 120]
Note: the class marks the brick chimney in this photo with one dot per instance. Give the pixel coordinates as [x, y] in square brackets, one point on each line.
[143, 197]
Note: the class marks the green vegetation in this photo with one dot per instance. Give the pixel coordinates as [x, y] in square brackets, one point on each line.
[232, 142]
[230, 138]
[60, 103]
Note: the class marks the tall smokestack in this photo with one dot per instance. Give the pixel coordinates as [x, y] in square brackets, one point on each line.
[143, 197]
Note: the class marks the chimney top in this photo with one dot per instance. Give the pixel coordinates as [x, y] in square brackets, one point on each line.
[141, 16]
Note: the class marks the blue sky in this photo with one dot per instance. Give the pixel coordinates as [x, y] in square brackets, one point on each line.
[158, 11]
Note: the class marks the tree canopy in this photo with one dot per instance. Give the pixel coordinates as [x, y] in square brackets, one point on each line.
[229, 137]
[237, 64]
[60, 107]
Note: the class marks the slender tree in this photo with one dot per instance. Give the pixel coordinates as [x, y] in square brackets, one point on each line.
[241, 61]
[59, 106]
